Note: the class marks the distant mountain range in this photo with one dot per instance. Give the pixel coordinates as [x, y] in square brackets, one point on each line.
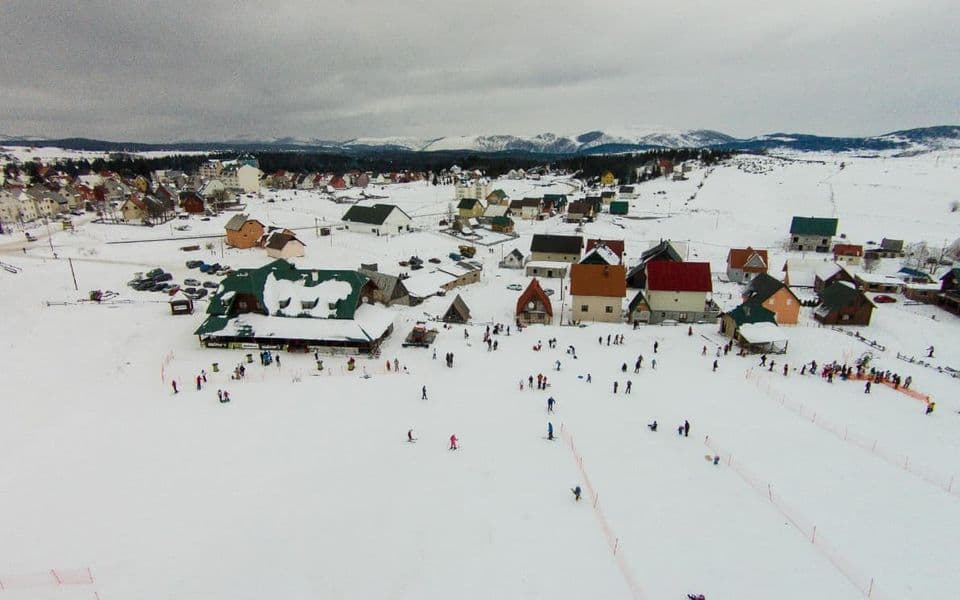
[548, 144]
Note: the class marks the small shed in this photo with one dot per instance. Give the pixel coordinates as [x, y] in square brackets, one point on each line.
[181, 304]
[458, 312]
[764, 338]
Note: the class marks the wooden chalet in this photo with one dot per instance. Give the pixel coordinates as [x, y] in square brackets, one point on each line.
[533, 305]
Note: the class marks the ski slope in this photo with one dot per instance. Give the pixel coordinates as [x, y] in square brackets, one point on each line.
[303, 486]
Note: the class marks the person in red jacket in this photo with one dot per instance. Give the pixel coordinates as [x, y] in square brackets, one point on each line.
[453, 442]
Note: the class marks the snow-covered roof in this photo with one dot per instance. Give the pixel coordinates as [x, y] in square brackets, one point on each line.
[423, 284]
[315, 301]
[548, 264]
[370, 322]
[761, 333]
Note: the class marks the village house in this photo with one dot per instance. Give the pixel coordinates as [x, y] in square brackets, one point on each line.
[809, 234]
[763, 290]
[389, 289]
[533, 305]
[679, 291]
[828, 273]
[502, 224]
[888, 248]
[280, 244]
[380, 219]
[513, 260]
[469, 208]
[579, 211]
[458, 312]
[607, 178]
[597, 292]
[547, 268]
[601, 255]
[192, 203]
[495, 210]
[554, 202]
[910, 275]
[664, 250]
[615, 246]
[476, 188]
[556, 248]
[278, 306]
[134, 210]
[530, 208]
[950, 291]
[884, 284]
[243, 232]
[666, 166]
[497, 197]
[743, 264]
[928, 293]
[607, 196]
[842, 304]
[848, 254]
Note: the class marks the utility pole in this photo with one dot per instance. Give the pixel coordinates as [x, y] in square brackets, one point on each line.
[74, 274]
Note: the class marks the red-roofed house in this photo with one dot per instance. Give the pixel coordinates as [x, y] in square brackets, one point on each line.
[598, 291]
[338, 183]
[743, 264]
[615, 245]
[680, 291]
[533, 305]
[848, 254]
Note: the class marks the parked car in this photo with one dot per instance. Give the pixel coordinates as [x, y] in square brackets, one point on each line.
[435, 261]
[145, 285]
[193, 264]
[515, 287]
[192, 282]
[200, 293]
[153, 273]
[211, 284]
[76, 212]
[884, 299]
[548, 291]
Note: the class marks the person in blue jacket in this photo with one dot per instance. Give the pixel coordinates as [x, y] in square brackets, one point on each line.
[549, 431]
[576, 493]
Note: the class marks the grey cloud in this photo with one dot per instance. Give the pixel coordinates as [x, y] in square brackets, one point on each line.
[334, 69]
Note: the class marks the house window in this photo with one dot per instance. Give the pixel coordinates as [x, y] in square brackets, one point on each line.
[583, 308]
[609, 309]
[308, 304]
[789, 301]
[796, 239]
[844, 317]
[284, 303]
[682, 317]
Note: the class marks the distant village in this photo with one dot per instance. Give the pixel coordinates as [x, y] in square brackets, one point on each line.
[279, 305]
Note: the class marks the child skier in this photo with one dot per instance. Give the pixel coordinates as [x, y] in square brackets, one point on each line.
[576, 493]
[453, 442]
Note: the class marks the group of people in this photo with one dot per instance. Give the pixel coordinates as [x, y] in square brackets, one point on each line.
[617, 339]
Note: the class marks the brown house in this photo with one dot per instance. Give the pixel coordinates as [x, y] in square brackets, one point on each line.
[533, 305]
[243, 232]
[830, 273]
[191, 202]
[842, 304]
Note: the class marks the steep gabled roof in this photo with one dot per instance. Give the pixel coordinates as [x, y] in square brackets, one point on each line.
[670, 276]
[737, 258]
[600, 255]
[277, 240]
[458, 311]
[891, 245]
[847, 250]
[579, 207]
[530, 202]
[534, 292]
[616, 246]
[763, 286]
[813, 226]
[840, 294]
[468, 203]
[236, 222]
[662, 251]
[560, 244]
[598, 280]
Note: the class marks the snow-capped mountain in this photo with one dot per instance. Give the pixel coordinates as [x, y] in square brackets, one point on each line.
[607, 141]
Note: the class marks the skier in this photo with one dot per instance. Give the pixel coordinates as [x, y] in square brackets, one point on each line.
[763, 360]
[608, 339]
[785, 369]
[174, 383]
[714, 365]
[866, 388]
[558, 365]
[423, 394]
[203, 375]
[655, 346]
[530, 381]
[278, 360]
[576, 493]
[226, 396]
[653, 363]
[410, 437]
[690, 330]
[549, 431]
[220, 395]
[930, 407]
[616, 384]
[550, 403]
[704, 352]
[434, 354]
[589, 379]
[199, 383]
[629, 386]
[653, 426]
[623, 368]
[453, 442]
[930, 352]
[686, 428]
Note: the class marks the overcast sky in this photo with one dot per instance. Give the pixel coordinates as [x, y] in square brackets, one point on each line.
[336, 69]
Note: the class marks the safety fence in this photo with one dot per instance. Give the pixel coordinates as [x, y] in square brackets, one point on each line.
[593, 497]
[51, 578]
[948, 483]
[864, 584]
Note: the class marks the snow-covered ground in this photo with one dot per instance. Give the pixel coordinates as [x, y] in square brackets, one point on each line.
[303, 486]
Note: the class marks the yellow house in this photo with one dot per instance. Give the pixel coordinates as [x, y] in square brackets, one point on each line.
[470, 208]
[608, 179]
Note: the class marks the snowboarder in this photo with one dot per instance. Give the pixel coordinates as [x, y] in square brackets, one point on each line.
[549, 431]
[686, 428]
[453, 442]
[653, 426]
[550, 403]
[173, 382]
[696, 597]
[576, 493]
[930, 352]
[410, 437]
[423, 393]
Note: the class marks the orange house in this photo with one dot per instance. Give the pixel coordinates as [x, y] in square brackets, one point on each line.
[774, 296]
[243, 232]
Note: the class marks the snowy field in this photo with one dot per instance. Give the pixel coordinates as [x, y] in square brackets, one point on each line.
[303, 486]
